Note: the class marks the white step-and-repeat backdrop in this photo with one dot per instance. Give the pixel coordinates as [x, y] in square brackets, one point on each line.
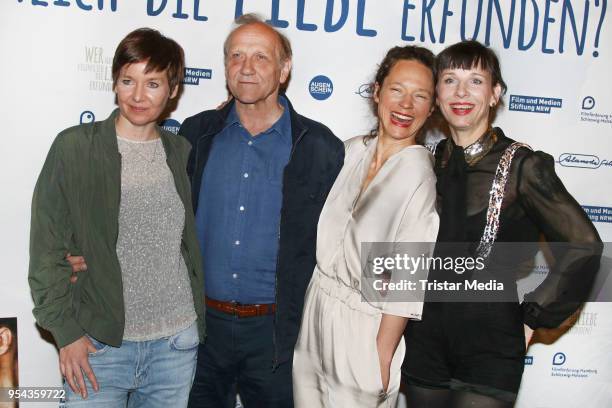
[556, 55]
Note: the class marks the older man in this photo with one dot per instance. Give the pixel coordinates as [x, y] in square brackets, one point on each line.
[260, 174]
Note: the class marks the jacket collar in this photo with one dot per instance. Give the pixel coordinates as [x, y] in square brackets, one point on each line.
[298, 127]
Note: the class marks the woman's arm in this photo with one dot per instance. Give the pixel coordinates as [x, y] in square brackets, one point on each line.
[51, 236]
[390, 333]
[561, 220]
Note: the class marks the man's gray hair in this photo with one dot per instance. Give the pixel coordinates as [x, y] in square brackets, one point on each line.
[251, 18]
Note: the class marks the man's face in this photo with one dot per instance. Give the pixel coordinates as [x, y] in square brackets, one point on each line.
[253, 67]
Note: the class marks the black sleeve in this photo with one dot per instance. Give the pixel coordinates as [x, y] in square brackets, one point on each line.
[561, 219]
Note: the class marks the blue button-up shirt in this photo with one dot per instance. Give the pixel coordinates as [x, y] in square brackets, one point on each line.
[238, 216]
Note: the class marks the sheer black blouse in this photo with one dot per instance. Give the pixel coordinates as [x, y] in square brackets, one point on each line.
[535, 204]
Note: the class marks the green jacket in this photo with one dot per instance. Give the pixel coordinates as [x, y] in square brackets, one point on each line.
[75, 209]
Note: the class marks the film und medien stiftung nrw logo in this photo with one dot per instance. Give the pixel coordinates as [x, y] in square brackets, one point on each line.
[87, 117]
[193, 75]
[320, 87]
[171, 125]
[588, 113]
[535, 104]
[583, 161]
[528, 360]
[597, 214]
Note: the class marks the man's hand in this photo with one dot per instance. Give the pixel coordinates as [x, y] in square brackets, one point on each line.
[74, 361]
[528, 335]
[78, 265]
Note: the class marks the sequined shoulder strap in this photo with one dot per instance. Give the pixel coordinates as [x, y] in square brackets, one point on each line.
[496, 198]
[433, 146]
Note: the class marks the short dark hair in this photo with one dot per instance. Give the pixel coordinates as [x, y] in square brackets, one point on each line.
[160, 52]
[251, 18]
[394, 55]
[470, 54]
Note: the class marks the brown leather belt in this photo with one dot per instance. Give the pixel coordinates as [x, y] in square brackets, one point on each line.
[240, 310]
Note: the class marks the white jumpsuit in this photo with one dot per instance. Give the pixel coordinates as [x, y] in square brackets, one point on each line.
[336, 363]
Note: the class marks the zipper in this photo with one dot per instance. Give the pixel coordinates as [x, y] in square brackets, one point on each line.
[275, 360]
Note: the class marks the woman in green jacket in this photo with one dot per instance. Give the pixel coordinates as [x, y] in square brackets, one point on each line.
[117, 193]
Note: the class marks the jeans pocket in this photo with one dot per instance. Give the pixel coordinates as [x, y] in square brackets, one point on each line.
[185, 339]
[101, 348]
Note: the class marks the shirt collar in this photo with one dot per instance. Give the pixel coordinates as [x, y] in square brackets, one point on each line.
[282, 126]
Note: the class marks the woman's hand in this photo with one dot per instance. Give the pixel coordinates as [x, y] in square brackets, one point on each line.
[74, 361]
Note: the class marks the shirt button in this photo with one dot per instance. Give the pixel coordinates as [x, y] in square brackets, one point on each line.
[237, 242]
[235, 275]
[250, 143]
[335, 268]
[355, 283]
[245, 175]
[242, 208]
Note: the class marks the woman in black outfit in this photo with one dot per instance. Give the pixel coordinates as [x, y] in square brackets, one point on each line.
[491, 189]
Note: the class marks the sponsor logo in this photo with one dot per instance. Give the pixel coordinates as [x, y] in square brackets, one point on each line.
[171, 125]
[320, 87]
[598, 214]
[193, 75]
[584, 161]
[535, 104]
[588, 115]
[588, 103]
[528, 360]
[559, 369]
[97, 65]
[365, 90]
[559, 359]
[87, 117]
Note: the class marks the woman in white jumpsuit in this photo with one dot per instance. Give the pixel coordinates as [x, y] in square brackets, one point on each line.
[349, 351]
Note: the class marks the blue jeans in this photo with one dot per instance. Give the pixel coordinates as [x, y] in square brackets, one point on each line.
[154, 373]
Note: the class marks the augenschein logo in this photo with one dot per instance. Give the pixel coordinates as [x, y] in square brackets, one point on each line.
[171, 125]
[193, 75]
[583, 161]
[320, 87]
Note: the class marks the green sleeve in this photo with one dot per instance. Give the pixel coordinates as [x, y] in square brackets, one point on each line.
[50, 239]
